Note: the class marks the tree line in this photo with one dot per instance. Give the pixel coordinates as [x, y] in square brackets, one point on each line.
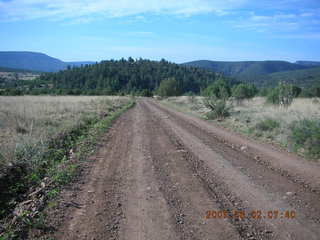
[143, 78]
[140, 77]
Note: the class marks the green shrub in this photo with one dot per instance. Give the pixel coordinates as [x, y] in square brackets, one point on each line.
[283, 94]
[219, 108]
[169, 87]
[273, 96]
[267, 124]
[306, 134]
[244, 91]
[313, 91]
[219, 88]
[264, 91]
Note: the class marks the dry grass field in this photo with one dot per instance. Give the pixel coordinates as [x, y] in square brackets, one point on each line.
[251, 117]
[33, 119]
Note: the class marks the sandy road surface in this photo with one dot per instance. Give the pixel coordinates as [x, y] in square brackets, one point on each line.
[159, 171]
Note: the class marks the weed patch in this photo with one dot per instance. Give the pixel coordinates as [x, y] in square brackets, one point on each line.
[219, 108]
[305, 136]
[267, 124]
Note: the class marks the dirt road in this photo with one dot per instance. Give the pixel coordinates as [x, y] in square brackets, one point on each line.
[158, 173]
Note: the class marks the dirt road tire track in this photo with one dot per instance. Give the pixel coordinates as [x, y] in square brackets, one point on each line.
[185, 193]
[160, 171]
[99, 197]
[260, 171]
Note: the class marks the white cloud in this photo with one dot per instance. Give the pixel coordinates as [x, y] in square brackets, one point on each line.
[84, 9]
[307, 14]
[279, 22]
[305, 36]
[273, 18]
[268, 24]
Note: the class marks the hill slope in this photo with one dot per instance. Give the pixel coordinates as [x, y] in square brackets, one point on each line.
[302, 78]
[247, 70]
[13, 70]
[34, 61]
[308, 63]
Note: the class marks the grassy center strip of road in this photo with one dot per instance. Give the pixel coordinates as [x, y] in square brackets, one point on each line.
[63, 157]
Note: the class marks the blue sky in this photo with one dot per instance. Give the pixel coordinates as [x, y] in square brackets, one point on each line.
[179, 31]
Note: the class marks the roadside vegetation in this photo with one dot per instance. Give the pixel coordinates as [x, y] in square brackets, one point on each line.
[216, 100]
[168, 87]
[41, 143]
[305, 136]
[280, 116]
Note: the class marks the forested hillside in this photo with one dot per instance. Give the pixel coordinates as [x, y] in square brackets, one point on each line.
[127, 76]
[302, 78]
[249, 71]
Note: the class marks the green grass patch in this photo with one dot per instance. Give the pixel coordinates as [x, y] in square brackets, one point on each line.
[305, 136]
[267, 124]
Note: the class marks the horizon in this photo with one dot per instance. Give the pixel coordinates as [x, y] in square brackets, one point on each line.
[197, 60]
[234, 30]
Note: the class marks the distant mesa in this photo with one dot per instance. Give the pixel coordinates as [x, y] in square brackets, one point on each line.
[34, 61]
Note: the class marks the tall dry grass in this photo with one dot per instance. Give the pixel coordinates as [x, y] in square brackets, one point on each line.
[245, 117]
[32, 119]
[301, 107]
[257, 109]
